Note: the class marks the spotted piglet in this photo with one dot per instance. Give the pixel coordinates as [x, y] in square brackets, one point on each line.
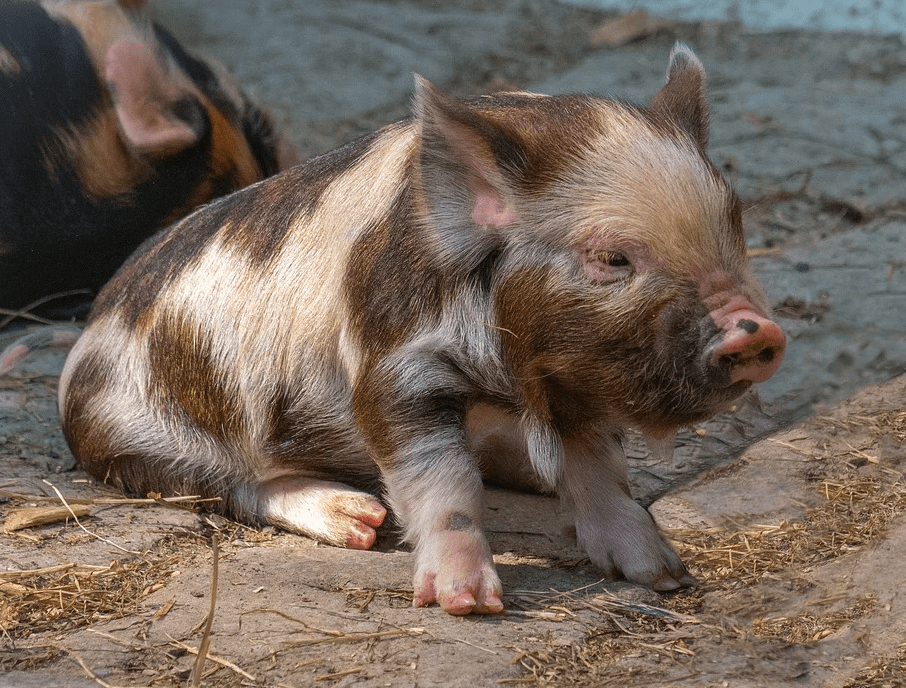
[495, 287]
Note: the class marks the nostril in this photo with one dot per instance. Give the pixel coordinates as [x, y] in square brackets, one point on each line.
[730, 360]
[748, 347]
[767, 355]
[764, 357]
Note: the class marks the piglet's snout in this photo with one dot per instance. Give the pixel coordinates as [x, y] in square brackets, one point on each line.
[749, 345]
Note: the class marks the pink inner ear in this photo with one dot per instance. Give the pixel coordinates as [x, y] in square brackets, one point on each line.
[145, 99]
[490, 210]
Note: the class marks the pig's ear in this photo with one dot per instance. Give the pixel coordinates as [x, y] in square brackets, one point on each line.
[464, 159]
[683, 98]
[156, 117]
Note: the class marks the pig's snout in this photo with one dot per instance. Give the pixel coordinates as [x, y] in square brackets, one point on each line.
[750, 347]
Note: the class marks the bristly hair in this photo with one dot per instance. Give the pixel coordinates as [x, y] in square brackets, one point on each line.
[261, 136]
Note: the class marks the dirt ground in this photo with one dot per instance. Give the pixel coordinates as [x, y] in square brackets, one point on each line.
[788, 510]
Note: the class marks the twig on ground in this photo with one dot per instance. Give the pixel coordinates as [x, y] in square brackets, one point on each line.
[343, 637]
[109, 501]
[76, 519]
[339, 674]
[214, 658]
[198, 667]
[85, 667]
[19, 519]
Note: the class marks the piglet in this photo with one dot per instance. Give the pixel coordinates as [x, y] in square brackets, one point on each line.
[110, 131]
[494, 288]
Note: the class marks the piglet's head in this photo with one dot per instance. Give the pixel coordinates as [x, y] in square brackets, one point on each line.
[623, 277]
[682, 227]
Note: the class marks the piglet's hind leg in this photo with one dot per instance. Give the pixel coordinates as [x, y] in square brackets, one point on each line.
[329, 512]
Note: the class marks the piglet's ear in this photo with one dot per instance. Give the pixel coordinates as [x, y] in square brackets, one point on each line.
[464, 160]
[156, 117]
[683, 98]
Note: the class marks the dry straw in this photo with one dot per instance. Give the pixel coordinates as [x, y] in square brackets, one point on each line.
[859, 496]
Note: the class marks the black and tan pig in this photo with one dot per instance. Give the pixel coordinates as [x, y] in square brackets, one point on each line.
[493, 288]
[109, 131]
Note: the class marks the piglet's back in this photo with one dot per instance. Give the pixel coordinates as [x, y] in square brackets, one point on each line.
[267, 252]
[223, 315]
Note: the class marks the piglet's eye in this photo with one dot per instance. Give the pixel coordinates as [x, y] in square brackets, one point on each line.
[613, 259]
[607, 267]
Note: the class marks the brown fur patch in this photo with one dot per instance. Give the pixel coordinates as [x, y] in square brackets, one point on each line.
[85, 434]
[390, 284]
[538, 136]
[104, 165]
[279, 203]
[581, 356]
[322, 440]
[184, 375]
[367, 409]
[554, 130]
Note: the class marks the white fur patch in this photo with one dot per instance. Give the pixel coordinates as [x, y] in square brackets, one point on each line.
[545, 450]
[311, 507]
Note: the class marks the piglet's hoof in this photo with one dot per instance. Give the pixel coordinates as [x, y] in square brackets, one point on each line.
[463, 581]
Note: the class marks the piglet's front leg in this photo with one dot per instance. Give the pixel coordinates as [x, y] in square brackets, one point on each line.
[617, 533]
[438, 497]
[453, 563]
[435, 489]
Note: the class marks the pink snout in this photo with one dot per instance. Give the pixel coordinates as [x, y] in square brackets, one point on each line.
[751, 346]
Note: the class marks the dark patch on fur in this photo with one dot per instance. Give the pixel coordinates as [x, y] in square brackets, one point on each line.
[184, 377]
[318, 442]
[390, 284]
[534, 139]
[393, 286]
[259, 227]
[369, 410]
[389, 418]
[553, 131]
[580, 361]
[458, 521]
[87, 437]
